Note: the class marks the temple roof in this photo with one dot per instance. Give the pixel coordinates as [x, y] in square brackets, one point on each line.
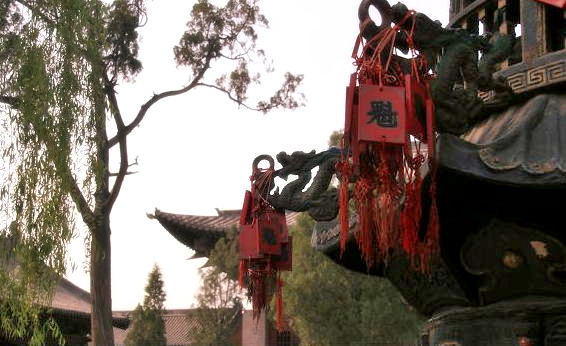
[72, 301]
[178, 325]
[201, 233]
[68, 296]
[525, 145]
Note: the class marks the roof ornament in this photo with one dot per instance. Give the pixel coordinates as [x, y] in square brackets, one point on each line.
[265, 244]
[389, 113]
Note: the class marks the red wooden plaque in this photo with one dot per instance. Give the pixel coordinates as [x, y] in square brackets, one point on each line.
[249, 241]
[382, 114]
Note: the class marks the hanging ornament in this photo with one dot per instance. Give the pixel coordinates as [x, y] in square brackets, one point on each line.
[265, 244]
[389, 114]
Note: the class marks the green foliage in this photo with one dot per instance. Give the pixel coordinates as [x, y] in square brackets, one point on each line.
[230, 32]
[154, 294]
[335, 139]
[122, 38]
[329, 305]
[60, 61]
[147, 326]
[42, 76]
[219, 307]
[21, 321]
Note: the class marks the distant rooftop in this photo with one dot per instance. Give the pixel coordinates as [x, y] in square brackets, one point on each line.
[200, 233]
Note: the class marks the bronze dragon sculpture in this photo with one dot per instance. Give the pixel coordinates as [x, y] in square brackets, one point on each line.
[320, 201]
[459, 74]
[457, 108]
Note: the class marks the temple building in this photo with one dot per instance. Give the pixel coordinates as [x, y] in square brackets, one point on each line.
[490, 239]
[178, 326]
[70, 307]
[200, 233]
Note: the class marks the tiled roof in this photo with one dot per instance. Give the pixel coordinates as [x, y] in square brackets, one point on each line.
[71, 300]
[177, 327]
[200, 233]
[68, 296]
[225, 220]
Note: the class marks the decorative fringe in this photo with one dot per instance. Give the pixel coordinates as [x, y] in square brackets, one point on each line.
[257, 291]
[410, 219]
[382, 225]
[389, 192]
[388, 172]
[343, 167]
[363, 194]
[242, 273]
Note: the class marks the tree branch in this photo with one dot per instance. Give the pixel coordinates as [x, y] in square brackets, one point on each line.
[36, 12]
[77, 196]
[123, 170]
[127, 173]
[145, 107]
[230, 96]
[10, 100]
[74, 190]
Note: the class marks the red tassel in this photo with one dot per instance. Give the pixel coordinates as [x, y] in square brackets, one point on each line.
[365, 235]
[389, 191]
[242, 273]
[344, 169]
[387, 170]
[279, 319]
[412, 212]
[258, 291]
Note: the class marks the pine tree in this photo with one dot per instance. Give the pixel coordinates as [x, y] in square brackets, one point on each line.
[147, 326]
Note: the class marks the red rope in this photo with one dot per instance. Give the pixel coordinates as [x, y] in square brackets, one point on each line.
[343, 167]
[387, 171]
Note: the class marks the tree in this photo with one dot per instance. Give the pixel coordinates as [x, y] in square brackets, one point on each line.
[148, 327]
[335, 139]
[60, 64]
[330, 305]
[219, 307]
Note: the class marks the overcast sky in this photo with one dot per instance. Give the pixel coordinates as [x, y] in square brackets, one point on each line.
[195, 151]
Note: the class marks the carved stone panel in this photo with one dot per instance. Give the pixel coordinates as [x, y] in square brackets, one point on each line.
[530, 321]
[515, 261]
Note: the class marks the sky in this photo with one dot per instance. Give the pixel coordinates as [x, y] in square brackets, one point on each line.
[194, 151]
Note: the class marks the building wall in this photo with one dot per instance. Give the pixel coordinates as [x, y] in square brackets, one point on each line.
[254, 332]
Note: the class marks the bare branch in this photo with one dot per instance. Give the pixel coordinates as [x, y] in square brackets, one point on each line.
[114, 108]
[10, 100]
[123, 170]
[127, 173]
[135, 163]
[77, 196]
[65, 173]
[156, 97]
[230, 96]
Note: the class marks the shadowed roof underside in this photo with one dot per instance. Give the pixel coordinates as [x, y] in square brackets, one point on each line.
[201, 233]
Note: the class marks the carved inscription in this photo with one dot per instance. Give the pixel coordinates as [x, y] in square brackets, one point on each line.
[537, 77]
[383, 114]
[531, 79]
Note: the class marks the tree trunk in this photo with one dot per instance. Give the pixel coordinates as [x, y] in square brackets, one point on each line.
[100, 264]
[100, 284]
